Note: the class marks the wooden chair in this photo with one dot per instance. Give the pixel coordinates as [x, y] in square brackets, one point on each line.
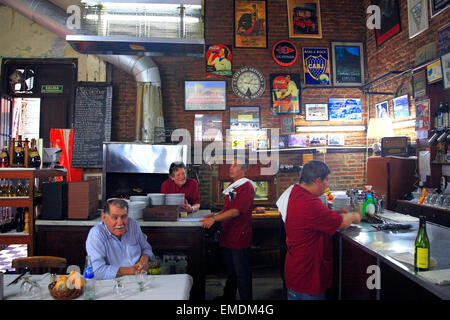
[40, 264]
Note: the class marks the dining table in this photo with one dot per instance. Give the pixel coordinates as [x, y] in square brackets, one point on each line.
[156, 287]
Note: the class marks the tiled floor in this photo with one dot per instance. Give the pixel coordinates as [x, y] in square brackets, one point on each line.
[9, 253]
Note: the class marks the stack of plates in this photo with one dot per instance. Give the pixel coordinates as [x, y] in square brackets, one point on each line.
[174, 199]
[156, 199]
[136, 209]
[139, 198]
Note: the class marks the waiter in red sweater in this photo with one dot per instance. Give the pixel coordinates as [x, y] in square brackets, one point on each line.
[236, 232]
[309, 228]
[178, 182]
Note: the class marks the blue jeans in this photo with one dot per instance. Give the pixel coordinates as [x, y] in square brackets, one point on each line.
[293, 295]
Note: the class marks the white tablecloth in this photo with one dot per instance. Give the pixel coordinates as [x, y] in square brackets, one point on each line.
[158, 287]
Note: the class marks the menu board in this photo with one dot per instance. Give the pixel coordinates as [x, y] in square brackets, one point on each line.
[92, 123]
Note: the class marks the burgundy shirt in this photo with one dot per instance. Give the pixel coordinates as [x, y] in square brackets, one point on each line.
[190, 189]
[309, 228]
[237, 232]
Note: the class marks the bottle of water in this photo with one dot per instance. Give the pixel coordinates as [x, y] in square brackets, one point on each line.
[89, 286]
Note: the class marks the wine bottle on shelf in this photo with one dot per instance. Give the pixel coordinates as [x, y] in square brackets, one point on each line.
[19, 153]
[422, 247]
[4, 156]
[35, 159]
[445, 116]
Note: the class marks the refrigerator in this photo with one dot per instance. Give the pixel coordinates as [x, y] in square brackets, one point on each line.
[392, 177]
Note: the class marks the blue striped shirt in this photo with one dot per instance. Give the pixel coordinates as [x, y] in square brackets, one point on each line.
[108, 253]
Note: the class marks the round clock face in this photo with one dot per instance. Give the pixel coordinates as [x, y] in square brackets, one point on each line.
[248, 83]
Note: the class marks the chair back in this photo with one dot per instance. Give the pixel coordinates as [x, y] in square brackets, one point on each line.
[40, 264]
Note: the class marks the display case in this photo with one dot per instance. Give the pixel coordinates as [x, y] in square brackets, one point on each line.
[29, 201]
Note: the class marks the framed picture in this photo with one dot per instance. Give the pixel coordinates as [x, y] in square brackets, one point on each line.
[287, 125]
[437, 6]
[317, 139]
[304, 19]
[316, 112]
[390, 20]
[285, 93]
[382, 109]
[244, 118]
[252, 140]
[419, 84]
[345, 109]
[401, 107]
[445, 63]
[316, 66]
[250, 24]
[417, 17]
[95, 176]
[348, 63]
[208, 127]
[336, 139]
[297, 140]
[204, 95]
[218, 60]
[434, 71]
[422, 114]
[443, 45]
[283, 142]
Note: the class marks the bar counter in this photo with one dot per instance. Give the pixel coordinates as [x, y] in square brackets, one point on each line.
[361, 246]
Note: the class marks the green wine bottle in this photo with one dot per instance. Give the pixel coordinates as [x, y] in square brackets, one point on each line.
[422, 247]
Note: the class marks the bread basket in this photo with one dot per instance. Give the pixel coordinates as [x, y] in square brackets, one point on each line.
[67, 294]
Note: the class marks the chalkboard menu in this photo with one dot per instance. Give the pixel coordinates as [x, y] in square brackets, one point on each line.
[92, 123]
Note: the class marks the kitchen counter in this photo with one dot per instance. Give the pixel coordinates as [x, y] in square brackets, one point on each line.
[395, 249]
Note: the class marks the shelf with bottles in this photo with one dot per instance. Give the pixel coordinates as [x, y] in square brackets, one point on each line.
[19, 155]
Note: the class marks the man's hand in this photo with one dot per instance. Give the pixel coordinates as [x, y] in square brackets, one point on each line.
[208, 220]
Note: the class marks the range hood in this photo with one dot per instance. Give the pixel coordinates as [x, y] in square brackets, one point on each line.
[157, 27]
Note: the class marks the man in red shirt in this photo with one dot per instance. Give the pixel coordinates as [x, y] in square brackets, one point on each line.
[236, 232]
[309, 228]
[178, 182]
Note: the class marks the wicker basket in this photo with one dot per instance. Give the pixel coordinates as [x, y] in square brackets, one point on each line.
[67, 294]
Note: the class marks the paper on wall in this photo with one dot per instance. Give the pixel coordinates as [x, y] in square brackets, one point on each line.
[424, 165]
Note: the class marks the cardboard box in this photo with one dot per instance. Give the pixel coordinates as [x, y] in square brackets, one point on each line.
[82, 200]
[161, 213]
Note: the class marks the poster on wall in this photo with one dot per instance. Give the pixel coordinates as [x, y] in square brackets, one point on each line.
[348, 63]
[434, 71]
[336, 139]
[382, 109]
[401, 107]
[422, 114]
[250, 24]
[345, 109]
[285, 93]
[218, 60]
[390, 20]
[445, 63]
[443, 45]
[304, 19]
[419, 84]
[316, 66]
[417, 17]
[437, 6]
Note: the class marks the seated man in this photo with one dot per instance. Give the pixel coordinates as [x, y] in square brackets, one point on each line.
[117, 245]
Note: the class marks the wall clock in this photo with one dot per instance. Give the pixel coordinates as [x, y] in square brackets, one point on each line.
[248, 83]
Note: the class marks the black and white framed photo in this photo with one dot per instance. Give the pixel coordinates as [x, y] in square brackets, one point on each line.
[382, 109]
[316, 112]
[287, 125]
[336, 139]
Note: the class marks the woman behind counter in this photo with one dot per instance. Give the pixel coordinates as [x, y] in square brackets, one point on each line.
[178, 182]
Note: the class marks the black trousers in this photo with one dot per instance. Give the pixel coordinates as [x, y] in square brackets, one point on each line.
[239, 273]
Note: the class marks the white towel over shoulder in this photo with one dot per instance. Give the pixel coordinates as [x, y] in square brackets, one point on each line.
[238, 183]
[282, 202]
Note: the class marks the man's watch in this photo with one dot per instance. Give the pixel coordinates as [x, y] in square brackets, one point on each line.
[214, 219]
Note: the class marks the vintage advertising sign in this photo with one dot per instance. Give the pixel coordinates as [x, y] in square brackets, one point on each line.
[284, 53]
[316, 66]
[218, 60]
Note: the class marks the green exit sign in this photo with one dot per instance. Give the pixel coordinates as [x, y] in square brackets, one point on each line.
[52, 88]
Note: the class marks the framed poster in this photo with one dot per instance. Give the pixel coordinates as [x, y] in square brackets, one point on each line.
[218, 60]
[244, 118]
[287, 125]
[437, 6]
[417, 17]
[445, 63]
[390, 20]
[434, 71]
[250, 24]
[297, 140]
[284, 53]
[285, 93]
[204, 95]
[422, 114]
[419, 84]
[443, 45]
[304, 19]
[316, 66]
[401, 107]
[336, 139]
[208, 127]
[348, 63]
[382, 109]
[317, 139]
[316, 112]
[345, 109]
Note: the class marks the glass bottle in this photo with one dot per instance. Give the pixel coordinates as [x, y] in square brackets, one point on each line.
[12, 189]
[445, 116]
[422, 247]
[89, 285]
[35, 159]
[19, 153]
[4, 156]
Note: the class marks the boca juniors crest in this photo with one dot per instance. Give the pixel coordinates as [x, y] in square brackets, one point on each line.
[316, 66]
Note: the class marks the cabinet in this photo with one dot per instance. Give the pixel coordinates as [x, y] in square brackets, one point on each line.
[29, 201]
